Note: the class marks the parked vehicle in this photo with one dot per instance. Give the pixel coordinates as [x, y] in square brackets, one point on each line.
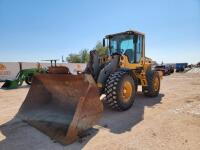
[180, 67]
[171, 68]
[165, 69]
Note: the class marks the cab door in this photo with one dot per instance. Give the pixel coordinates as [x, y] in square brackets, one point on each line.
[139, 46]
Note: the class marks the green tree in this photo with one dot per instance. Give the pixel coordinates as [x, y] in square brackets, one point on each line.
[74, 58]
[84, 55]
[100, 49]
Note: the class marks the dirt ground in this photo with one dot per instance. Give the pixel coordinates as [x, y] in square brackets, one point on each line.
[170, 121]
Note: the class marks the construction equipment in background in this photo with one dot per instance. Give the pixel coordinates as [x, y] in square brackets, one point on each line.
[23, 75]
[26, 75]
[63, 105]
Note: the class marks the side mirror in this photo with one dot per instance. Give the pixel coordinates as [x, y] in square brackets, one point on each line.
[104, 42]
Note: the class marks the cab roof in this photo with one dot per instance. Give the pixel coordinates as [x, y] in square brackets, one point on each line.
[126, 32]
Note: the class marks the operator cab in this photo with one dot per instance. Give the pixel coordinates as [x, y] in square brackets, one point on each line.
[129, 43]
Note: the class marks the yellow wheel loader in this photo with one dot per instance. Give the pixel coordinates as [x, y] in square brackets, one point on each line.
[63, 105]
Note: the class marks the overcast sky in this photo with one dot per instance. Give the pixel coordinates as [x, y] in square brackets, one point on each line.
[33, 30]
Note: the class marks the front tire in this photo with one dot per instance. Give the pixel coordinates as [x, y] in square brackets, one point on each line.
[120, 91]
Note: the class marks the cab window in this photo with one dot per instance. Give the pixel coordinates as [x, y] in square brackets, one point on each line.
[127, 47]
[139, 48]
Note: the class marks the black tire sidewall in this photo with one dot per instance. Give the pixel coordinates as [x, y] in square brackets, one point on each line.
[28, 80]
[112, 90]
[125, 105]
[156, 75]
[149, 90]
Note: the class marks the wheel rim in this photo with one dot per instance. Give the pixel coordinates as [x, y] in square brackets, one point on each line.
[126, 91]
[156, 84]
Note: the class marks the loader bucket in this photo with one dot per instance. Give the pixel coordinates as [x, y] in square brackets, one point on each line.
[10, 84]
[62, 105]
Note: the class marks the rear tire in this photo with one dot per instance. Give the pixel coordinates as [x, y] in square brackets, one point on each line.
[120, 91]
[28, 80]
[153, 81]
